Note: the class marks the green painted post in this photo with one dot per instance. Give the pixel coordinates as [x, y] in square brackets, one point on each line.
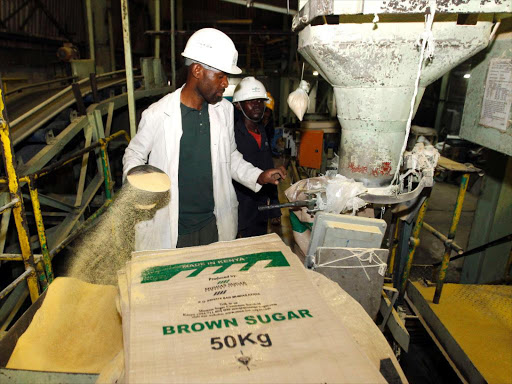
[106, 171]
[34, 197]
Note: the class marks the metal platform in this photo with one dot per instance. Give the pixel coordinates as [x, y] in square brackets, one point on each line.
[473, 324]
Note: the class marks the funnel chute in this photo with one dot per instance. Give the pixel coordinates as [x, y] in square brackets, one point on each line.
[372, 69]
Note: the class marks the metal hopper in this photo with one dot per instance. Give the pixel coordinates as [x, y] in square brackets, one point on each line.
[373, 67]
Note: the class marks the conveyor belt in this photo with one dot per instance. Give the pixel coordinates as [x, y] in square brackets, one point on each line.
[20, 103]
[23, 126]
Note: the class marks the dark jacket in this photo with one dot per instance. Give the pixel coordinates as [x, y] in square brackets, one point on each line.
[249, 218]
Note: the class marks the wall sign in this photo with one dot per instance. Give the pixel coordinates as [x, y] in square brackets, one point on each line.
[498, 95]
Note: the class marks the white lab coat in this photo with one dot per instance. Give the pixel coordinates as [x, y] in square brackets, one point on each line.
[157, 143]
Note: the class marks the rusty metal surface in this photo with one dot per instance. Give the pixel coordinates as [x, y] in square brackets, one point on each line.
[315, 8]
[310, 11]
[373, 72]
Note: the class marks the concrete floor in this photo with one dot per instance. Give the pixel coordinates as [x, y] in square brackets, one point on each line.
[439, 215]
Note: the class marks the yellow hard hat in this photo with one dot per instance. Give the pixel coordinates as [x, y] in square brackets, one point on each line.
[270, 102]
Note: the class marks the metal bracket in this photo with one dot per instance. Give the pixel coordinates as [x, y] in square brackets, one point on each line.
[392, 298]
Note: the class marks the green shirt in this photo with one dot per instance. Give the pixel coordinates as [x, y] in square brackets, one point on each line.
[195, 180]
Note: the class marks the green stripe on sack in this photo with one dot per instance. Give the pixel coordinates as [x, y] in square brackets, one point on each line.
[299, 226]
[166, 272]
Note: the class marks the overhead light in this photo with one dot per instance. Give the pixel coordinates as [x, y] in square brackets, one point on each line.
[315, 73]
[467, 75]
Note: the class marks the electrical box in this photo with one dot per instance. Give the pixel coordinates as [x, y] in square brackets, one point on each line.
[311, 148]
[82, 68]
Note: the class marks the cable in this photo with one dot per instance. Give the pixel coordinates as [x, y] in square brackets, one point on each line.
[427, 45]
[499, 241]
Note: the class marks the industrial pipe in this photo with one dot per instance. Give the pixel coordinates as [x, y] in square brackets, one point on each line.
[128, 65]
[481, 248]
[90, 31]
[157, 28]
[9, 205]
[111, 37]
[310, 204]
[446, 241]
[15, 283]
[57, 95]
[17, 257]
[173, 48]
[266, 7]
[45, 103]
[66, 160]
[35, 85]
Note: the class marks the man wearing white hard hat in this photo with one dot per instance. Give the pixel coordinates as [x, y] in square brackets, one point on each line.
[189, 135]
[249, 99]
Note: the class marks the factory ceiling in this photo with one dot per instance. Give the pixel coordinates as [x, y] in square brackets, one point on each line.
[263, 37]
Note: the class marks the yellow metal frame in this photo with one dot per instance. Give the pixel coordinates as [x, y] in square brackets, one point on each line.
[394, 247]
[448, 241]
[39, 272]
[38, 216]
[414, 241]
[457, 211]
[18, 209]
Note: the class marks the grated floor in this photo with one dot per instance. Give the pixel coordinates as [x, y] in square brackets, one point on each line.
[479, 317]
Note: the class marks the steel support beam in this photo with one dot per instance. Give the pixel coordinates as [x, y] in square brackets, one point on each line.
[29, 16]
[19, 209]
[52, 19]
[125, 16]
[90, 29]
[157, 28]
[112, 47]
[14, 13]
[265, 7]
[173, 46]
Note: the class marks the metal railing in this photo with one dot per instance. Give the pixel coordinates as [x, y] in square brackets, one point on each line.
[45, 273]
[38, 267]
[37, 85]
[448, 241]
[39, 271]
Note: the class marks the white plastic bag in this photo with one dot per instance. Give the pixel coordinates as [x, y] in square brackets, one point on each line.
[337, 194]
[342, 195]
[297, 191]
[298, 100]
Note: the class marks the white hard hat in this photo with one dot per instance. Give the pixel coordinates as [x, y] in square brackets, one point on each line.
[213, 48]
[249, 89]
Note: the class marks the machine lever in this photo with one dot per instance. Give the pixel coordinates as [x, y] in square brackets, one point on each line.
[310, 204]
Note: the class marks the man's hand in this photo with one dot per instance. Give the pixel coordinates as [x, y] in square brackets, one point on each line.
[272, 176]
